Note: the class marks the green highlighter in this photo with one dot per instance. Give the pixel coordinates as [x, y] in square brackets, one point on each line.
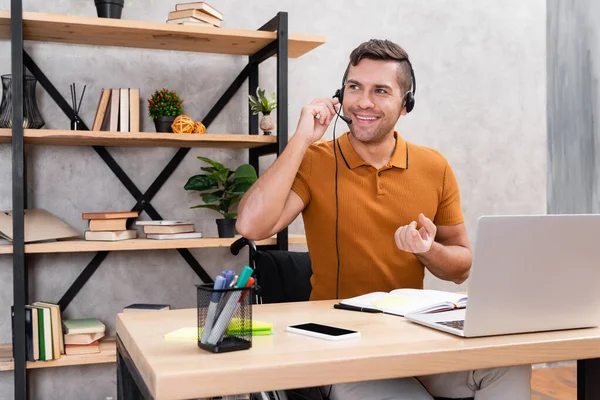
[244, 276]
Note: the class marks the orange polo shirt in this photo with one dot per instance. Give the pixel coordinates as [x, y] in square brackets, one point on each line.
[372, 205]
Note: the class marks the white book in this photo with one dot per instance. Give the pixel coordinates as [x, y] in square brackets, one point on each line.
[191, 235]
[110, 236]
[163, 222]
[124, 111]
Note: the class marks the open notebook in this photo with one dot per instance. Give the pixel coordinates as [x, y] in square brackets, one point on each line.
[405, 301]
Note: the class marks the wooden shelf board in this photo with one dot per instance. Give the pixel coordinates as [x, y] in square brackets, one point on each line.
[108, 354]
[80, 246]
[139, 139]
[150, 35]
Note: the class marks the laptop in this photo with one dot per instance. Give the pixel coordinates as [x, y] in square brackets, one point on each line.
[530, 273]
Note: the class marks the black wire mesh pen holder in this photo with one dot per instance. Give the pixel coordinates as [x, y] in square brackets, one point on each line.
[224, 318]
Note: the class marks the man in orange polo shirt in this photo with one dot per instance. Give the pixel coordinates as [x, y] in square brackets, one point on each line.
[377, 211]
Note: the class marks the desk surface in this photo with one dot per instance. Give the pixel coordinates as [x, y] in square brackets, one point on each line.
[389, 347]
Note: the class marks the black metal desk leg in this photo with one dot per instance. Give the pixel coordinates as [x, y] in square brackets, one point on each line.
[128, 377]
[588, 379]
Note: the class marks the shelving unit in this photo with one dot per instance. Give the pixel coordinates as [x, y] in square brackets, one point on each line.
[270, 40]
[82, 246]
[142, 139]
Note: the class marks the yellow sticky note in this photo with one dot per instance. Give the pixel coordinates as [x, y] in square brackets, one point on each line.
[188, 333]
[392, 301]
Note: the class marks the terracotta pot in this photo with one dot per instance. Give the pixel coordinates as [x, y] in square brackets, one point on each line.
[267, 124]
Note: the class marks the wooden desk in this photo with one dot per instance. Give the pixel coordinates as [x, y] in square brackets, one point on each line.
[389, 347]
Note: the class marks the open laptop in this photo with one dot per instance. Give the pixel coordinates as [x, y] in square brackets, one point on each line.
[530, 273]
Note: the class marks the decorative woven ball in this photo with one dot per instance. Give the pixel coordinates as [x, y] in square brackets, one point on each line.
[183, 124]
[199, 127]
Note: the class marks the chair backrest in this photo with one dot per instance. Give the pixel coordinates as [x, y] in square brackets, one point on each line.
[283, 276]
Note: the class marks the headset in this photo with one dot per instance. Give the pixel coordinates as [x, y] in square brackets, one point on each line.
[339, 94]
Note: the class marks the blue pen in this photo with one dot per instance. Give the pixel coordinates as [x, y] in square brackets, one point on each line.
[228, 274]
[212, 308]
[230, 277]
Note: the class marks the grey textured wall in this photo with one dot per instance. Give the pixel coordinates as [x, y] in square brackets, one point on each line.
[573, 108]
[481, 101]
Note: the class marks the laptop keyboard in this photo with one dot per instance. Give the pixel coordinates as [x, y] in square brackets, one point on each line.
[459, 324]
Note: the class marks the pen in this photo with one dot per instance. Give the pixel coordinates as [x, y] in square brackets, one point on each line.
[354, 308]
[230, 307]
[212, 308]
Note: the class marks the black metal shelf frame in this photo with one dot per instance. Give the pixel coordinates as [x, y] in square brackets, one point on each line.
[21, 59]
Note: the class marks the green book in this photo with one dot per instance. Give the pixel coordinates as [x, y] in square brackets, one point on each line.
[83, 325]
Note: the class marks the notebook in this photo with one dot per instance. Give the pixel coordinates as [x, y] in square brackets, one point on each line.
[39, 225]
[404, 301]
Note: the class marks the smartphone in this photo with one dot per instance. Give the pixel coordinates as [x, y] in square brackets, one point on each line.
[323, 331]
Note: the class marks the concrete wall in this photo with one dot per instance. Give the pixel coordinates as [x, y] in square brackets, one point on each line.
[481, 101]
[573, 108]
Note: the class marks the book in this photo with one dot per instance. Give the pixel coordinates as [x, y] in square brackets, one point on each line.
[83, 325]
[124, 110]
[101, 110]
[200, 5]
[113, 124]
[58, 344]
[110, 236]
[134, 110]
[146, 307]
[189, 21]
[150, 229]
[197, 14]
[45, 333]
[82, 338]
[90, 348]
[110, 215]
[99, 225]
[163, 222]
[167, 236]
[35, 339]
[404, 301]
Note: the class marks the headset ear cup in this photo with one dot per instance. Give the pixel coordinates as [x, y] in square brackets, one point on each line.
[410, 102]
[339, 94]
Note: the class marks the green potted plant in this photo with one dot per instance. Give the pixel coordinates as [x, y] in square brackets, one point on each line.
[262, 104]
[221, 190]
[163, 107]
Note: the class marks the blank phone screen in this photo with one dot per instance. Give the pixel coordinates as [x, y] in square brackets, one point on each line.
[324, 329]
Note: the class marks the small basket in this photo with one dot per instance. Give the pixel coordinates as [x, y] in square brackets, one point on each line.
[228, 318]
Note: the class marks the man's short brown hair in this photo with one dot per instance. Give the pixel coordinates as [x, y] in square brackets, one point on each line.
[385, 50]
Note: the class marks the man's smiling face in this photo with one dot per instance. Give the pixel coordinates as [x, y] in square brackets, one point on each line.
[373, 99]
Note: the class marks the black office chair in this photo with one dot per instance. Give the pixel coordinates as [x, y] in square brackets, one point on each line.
[283, 277]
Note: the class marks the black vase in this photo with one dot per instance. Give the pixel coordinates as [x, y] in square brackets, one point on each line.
[163, 124]
[226, 227]
[32, 119]
[109, 8]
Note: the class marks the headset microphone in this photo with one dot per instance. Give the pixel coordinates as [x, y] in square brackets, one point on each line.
[338, 94]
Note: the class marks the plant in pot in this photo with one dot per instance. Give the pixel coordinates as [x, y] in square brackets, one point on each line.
[163, 107]
[262, 104]
[109, 8]
[221, 190]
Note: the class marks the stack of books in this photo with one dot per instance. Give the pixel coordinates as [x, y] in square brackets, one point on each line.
[82, 335]
[118, 110]
[197, 13]
[162, 229]
[43, 331]
[109, 226]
